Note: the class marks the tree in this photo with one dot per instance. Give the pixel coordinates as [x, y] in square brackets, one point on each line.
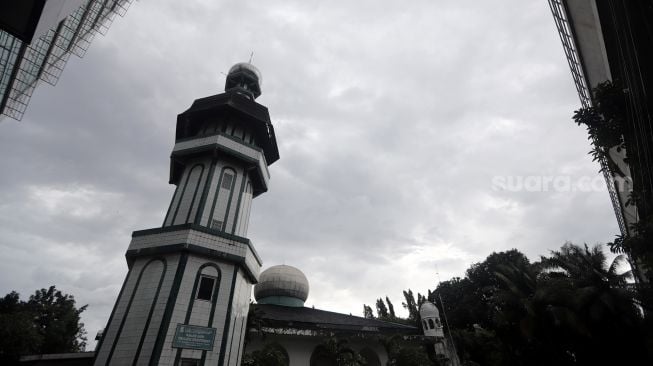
[367, 312]
[58, 321]
[461, 301]
[391, 308]
[573, 307]
[18, 333]
[337, 352]
[411, 305]
[382, 310]
[48, 322]
[402, 353]
[272, 354]
[595, 303]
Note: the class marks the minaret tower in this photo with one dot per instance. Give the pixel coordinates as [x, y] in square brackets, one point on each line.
[186, 296]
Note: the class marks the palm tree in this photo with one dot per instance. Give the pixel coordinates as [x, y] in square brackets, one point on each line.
[591, 305]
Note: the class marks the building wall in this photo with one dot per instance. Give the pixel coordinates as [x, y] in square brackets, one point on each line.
[200, 313]
[205, 187]
[300, 348]
[145, 296]
[138, 312]
[238, 320]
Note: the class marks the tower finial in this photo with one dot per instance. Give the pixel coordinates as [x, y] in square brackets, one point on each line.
[251, 55]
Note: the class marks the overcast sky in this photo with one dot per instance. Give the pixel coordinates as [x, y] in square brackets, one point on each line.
[397, 123]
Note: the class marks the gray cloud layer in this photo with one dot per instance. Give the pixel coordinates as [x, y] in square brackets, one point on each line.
[392, 119]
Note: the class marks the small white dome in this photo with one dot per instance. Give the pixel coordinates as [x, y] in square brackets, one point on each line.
[429, 310]
[282, 281]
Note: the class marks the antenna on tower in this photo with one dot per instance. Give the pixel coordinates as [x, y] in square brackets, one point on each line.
[446, 321]
[251, 56]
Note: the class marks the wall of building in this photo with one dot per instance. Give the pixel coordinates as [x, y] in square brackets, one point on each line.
[188, 310]
[300, 348]
[136, 318]
[226, 203]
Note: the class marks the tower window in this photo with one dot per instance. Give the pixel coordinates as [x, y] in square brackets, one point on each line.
[426, 326]
[216, 225]
[227, 179]
[431, 324]
[205, 290]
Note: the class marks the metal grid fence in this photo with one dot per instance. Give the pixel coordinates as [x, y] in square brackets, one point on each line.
[24, 66]
[574, 59]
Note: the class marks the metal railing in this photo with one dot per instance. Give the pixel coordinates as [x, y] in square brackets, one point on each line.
[45, 58]
[574, 59]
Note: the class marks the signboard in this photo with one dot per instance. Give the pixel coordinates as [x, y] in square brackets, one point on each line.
[194, 337]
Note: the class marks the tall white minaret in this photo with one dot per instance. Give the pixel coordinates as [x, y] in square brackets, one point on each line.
[186, 296]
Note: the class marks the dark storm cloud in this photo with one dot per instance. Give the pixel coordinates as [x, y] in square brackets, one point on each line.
[392, 121]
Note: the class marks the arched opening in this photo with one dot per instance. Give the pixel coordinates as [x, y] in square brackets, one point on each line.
[426, 326]
[277, 352]
[322, 357]
[370, 356]
[431, 324]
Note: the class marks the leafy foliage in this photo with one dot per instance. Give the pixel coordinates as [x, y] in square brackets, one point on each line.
[49, 322]
[391, 308]
[367, 312]
[337, 352]
[271, 355]
[382, 310]
[572, 307]
[558, 311]
[604, 123]
[405, 354]
[609, 124]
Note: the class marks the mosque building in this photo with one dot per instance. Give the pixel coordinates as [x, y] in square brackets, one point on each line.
[299, 331]
[186, 298]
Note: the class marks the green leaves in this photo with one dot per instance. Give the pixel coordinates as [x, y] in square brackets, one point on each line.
[49, 322]
[558, 311]
[605, 124]
[272, 354]
[337, 352]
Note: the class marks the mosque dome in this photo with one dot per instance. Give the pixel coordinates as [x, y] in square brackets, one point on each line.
[282, 285]
[247, 68]
[244, 78]
[429, 310]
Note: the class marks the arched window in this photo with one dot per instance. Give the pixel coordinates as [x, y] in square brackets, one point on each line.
[431, 324]
[426, 326]
[322, 357]
[207, 279]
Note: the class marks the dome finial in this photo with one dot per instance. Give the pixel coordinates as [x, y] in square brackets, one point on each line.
[244, 78]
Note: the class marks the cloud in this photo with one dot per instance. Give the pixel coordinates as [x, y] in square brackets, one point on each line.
[392, 121]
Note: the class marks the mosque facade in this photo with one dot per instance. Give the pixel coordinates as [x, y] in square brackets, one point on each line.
[280, 319]
[186, 298]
